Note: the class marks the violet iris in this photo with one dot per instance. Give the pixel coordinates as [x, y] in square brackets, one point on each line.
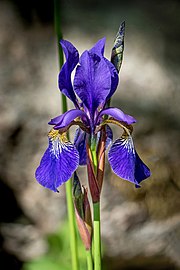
[95, 81]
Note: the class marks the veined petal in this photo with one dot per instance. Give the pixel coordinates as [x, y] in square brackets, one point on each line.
[58, 163]
[126, 163]
[92, 81]
[66, 118]
[80, 143]
[117, 114]
[72, 58]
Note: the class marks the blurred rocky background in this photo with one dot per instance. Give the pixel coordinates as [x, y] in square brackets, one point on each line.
[140, 227]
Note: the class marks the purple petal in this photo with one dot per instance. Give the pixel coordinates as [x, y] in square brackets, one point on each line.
[72, 58]
[92, 81]
[57, 119]
[141, 170]
[117, 114]
[114, 79]
[98, 48]
[80, 143]
[58, 163]
[66, 118]
[126, 163]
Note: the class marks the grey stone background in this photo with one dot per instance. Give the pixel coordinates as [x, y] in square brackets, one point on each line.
[140, 227]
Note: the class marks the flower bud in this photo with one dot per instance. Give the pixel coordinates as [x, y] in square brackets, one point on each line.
[83, 212]
[93, 184]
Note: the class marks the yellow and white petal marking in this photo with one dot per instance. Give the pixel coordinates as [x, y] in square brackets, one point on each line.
[59, 142]
[59, 161]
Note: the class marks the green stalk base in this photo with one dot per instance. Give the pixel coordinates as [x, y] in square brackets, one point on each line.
[97, 236]
[89, 260]
[72, 226]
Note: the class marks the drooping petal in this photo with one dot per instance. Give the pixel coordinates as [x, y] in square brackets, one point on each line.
[80, 143]
[141, 170]
[72, 58]
[92, 81]
[125, 161]
[117, 114]
[66, 118]
[58, 163]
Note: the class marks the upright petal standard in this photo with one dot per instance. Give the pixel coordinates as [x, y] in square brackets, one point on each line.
[92, 81]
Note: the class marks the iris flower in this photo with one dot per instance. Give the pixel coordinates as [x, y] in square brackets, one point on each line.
[94, 83]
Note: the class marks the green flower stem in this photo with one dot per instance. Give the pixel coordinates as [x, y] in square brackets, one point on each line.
[96, 210]
[70, 206]
[57, 22]
[97, 236]
[94, 153]
[89, 260]
[72, 226]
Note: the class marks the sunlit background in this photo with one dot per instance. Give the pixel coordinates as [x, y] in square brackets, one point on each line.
[140, 227]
